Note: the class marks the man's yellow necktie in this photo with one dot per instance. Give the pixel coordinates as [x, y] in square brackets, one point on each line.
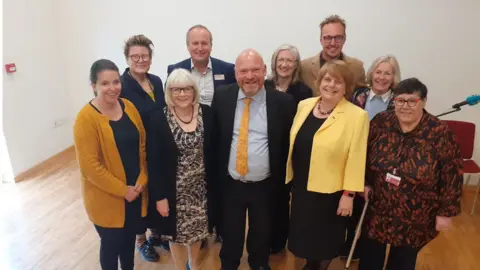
[242, 147]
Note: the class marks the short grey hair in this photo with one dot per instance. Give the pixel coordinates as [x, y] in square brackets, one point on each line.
[181, 76]
[296, 72]
[390, 59]
[199, 26]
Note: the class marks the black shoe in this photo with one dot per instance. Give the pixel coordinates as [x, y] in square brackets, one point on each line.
[275, 251]
[148, 252]
[311, 265]
[165, 245]
[155, 241]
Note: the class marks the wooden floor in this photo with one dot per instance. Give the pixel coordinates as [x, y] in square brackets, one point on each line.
[43, 226]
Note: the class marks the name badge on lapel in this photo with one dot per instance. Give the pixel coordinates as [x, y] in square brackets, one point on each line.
[219, 77]
[393, 179]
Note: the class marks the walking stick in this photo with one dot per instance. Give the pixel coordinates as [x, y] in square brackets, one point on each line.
[358, 231]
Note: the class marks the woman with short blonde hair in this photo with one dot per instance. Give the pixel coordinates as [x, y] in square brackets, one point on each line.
[180, 167]
[382, 77]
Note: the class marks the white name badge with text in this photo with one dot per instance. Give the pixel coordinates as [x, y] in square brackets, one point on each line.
[393, 179]
[219, 77]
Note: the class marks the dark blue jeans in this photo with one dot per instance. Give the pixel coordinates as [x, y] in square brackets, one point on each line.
[118, 243]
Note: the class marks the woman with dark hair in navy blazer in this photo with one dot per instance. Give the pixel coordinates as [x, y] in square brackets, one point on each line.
[145, 91]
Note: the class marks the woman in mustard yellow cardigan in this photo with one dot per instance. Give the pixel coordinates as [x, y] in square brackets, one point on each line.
[110, 145]
[328, 146]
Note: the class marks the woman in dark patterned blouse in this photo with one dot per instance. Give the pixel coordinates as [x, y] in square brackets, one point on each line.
[414, 170]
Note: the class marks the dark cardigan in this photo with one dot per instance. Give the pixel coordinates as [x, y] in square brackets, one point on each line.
[132, 91]
[299, 91]
[162, 158]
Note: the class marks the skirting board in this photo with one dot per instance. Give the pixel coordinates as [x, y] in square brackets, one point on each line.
[57, 160]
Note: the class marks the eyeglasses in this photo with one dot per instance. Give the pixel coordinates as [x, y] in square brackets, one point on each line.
[186, 90]
[338, 38]
[285, 61]
[136, 57]
[410, 102]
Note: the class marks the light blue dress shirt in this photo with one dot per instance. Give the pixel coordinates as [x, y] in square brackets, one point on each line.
[258, 157]
[376, 104]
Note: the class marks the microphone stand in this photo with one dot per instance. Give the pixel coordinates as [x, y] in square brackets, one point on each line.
[449, 112]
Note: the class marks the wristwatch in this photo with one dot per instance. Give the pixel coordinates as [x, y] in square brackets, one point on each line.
[349, 194]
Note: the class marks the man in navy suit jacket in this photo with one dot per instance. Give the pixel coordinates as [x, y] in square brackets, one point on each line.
[210, 73]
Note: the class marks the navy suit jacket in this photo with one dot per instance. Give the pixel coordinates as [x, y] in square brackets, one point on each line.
[132, 91]
[219, 67]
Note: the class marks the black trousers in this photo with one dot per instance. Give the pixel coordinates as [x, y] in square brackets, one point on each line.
[281, 218]
[256, 198]
[372, 256]
[358, 203]
[118, 243]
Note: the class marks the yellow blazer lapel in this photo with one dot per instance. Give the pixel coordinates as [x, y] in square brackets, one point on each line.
[335, 115]
[300, 118]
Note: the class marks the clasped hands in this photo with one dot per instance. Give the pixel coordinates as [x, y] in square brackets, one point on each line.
[133, 192]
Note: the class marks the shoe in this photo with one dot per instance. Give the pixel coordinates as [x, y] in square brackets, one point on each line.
[311, 265]
[165, 245]
[275, 251]
[155, 241]
[148, 252]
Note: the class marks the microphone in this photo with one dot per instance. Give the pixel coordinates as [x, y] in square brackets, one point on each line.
[471, 100]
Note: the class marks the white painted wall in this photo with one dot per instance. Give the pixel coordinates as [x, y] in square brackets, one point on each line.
[36, 95]
[434, 40]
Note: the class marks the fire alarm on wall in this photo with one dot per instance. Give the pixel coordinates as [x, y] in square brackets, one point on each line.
[10, 68]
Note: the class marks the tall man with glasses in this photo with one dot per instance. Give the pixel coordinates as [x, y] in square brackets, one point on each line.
[332, 38]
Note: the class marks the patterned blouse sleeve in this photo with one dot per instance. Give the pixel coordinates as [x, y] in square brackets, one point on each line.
[372, 137]
[451, 175]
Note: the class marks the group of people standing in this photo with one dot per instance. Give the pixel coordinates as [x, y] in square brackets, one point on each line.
[297, 150]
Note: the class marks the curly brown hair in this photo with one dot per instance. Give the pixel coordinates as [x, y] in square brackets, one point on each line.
[333, 19]
[138, 40]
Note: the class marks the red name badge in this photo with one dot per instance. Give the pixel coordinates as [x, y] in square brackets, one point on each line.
[393, 179]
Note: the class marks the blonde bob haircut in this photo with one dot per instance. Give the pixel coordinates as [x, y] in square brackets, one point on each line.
[340, 71]
[390, 59]
[183, 78]
[296, 72]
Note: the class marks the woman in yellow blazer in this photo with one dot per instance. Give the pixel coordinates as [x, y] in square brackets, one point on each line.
[326, 161]
[110, 145]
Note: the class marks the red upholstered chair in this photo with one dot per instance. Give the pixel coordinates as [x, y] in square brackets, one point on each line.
[465, 132]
